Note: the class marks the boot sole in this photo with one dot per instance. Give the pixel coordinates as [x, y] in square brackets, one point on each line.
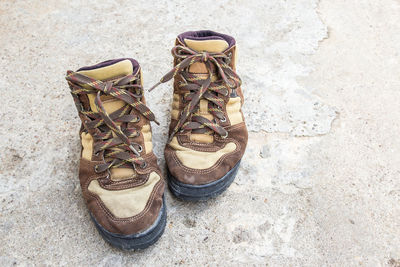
[204, 192]
[136, 241]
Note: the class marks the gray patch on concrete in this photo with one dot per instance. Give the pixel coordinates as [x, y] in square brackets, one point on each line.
[277, 51]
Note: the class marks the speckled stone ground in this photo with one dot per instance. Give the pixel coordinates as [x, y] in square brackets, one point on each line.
[319, 183]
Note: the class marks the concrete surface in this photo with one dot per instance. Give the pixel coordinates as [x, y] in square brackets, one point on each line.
[319, 184]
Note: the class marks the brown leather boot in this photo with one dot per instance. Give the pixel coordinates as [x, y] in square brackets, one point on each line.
[208, 135]
[119, 176]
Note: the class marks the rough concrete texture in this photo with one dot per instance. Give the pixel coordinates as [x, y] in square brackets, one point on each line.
[319, 184]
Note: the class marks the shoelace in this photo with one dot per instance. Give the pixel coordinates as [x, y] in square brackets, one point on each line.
[119, 151]
[198, 86]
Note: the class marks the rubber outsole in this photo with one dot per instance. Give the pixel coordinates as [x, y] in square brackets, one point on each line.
[204, 192]
[136, 241]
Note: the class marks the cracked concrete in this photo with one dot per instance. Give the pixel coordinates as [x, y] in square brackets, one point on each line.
[319, 183]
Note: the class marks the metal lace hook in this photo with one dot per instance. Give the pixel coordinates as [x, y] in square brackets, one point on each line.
[134, 150]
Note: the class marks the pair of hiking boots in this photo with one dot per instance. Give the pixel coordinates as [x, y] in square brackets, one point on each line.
[121, 182]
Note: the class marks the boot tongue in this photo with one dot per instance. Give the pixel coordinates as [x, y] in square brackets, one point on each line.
[214, 44]
[109, 71]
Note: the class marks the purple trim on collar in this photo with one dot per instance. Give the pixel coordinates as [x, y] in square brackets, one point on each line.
[135, 64]
[206, 35]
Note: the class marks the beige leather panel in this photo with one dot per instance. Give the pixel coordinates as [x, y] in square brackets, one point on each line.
[128, 202]
[148, 145]
[118, 174]
[233, 110]
[87, 146]
[175, 107]
[198, 67]
[199, 159]
[216, 46]
[203, 111]
[175, 114]
[202, 138]
[110, 105]
[121, 68]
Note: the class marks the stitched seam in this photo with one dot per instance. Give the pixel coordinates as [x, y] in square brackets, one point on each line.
[208, 170]
[129, 219]
[212, 146]
[117, 187]
[208, 149]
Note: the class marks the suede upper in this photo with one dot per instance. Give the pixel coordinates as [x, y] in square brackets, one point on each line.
[202, 156]
[125, 198]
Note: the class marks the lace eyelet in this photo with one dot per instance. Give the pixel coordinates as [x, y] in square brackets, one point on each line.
[96, 169]
[230, 57]
[143, 165]
[138, 119]
[97, 154]
[140, 149]
[224, 136]
[223, 119]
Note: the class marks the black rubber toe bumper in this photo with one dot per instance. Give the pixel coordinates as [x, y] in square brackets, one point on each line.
[203, 192]
[136, 241]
